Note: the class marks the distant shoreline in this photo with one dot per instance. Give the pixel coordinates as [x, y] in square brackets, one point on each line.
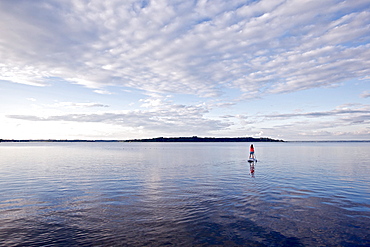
[206, 139]
[183, 139]
[163, 139]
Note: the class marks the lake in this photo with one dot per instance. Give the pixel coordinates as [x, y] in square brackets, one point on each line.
[184, 194]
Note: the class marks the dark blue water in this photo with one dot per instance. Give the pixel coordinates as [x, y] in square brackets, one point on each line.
[184, 194]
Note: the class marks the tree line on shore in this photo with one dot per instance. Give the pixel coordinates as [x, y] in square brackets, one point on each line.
[206, 139]
[163, 139]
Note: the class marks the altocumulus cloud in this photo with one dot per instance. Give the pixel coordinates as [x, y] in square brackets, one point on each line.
[192, 47]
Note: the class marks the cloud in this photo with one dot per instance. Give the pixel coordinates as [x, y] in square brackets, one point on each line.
[365, 94]
[99, 91]
[191, 47]
[144, 120]
[79, 105]
[344, 122]
[158, 114]
[336, 112]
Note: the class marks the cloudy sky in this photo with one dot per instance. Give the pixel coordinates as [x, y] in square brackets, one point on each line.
[123, 69]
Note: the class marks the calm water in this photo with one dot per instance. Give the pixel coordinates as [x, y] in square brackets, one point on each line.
[184, 194]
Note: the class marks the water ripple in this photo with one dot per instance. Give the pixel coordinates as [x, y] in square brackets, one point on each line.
[181, 195]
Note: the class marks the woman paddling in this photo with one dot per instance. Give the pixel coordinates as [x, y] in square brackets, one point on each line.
[251, 152]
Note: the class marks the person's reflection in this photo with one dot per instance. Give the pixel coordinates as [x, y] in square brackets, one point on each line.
[251, 169]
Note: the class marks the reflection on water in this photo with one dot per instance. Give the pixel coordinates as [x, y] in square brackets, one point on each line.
[251, 168]
[112, 194]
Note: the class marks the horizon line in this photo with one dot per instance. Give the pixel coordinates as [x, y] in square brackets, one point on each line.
[141, 139]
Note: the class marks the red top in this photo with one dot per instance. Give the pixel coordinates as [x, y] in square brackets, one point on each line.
[252, 149]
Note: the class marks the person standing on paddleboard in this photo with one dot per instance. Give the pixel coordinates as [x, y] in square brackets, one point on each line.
[251, 152]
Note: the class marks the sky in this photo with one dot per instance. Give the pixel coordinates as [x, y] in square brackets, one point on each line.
[296, 70]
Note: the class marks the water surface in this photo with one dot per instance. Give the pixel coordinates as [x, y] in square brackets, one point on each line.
[184, 194]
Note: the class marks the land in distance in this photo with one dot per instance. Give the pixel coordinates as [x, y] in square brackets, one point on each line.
[165, 139]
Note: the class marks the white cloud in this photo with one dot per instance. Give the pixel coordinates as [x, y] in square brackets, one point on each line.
[158, 114]
[365, 94]
[187, 47]
[161, 117]
[78, 105]
[348, 113]
[106, 92]
[346, 122]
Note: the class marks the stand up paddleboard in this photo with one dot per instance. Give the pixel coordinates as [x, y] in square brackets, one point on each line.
[252, 160]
